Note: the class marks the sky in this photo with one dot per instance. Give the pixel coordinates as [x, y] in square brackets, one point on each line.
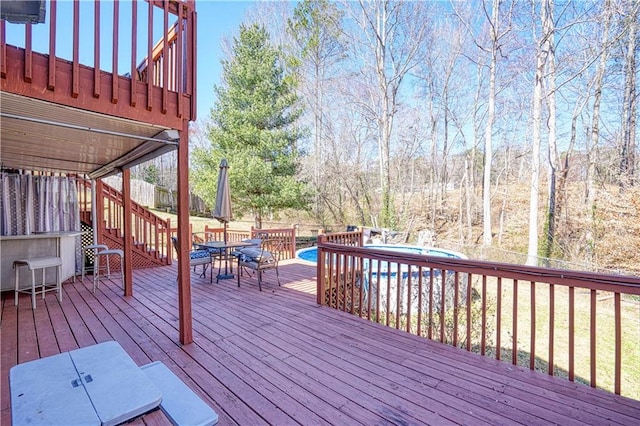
[216, 18]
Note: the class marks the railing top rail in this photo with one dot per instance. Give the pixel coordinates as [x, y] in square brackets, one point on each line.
[590, 280]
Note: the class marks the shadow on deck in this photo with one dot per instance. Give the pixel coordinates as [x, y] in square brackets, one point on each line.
[276, 357]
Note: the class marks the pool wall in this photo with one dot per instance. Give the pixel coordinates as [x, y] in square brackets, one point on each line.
[310, 254]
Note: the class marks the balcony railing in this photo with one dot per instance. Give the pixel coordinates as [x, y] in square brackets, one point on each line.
[100, 50]
[580, 325]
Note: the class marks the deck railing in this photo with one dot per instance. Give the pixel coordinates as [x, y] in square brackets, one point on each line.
[580, 325]
[111, 68]
[285, 236]
[148, 230]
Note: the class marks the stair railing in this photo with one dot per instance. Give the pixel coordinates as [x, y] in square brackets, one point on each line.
[150, 232]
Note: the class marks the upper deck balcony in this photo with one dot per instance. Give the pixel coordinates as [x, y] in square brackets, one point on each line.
[97, 86]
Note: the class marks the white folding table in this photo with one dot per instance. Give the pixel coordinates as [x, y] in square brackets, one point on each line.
[95, 385]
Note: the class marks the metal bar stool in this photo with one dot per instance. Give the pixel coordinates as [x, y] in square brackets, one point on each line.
[96, 270]
[95, 248]
[38, 263]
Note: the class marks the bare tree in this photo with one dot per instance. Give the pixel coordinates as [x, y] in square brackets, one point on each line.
[630, 101]
[595, 126]
[544, 56]
[319, 47]
[393, 36]
[499, 26]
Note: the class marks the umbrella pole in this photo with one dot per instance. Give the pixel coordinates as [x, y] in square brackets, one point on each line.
[226, 253]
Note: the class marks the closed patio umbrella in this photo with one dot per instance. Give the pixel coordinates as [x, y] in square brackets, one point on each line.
[222, 210]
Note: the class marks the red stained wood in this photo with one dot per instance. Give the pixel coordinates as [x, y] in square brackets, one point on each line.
[128, 232]
[552, 328]
[514, 324]
[572, 325]
[592, 334]
[483, 344]
[455, 307]
[184, 274]
[618, 350]
[114, 60]
[86, 100]
[165, 60]
[96, 49]
[134, 53]
[3, 49]
[498, 318]
[277, 357]
[28, 53]
[532, 344]
[51, 70]
[149, 79]
[179, 71]
[192, 61]
[75, 78]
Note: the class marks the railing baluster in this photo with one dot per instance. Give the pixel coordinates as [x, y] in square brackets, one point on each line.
[165, 62]
[378, 280]
[618, 349]
[361, 291]
[179, 82]
[514, 324]
[443, 296]
[114, 70]
[409, 301]
[353, 283]
[150, 64]
[532, 348]
[420, 301]
[499, 319]
[134, 53]
[388, 292]
[593, 338]
[552, 328]
[370, 277]
[51, 83]
[455, 309]
[3, 49]
[96, 49]
[28, 52]
[469, 319]
[398, 293]
[75, 69]
[483, 343]
[431, 284]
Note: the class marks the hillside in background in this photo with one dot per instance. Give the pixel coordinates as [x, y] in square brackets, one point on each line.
[615, 223]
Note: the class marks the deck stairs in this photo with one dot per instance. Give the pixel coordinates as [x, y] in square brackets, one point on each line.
[150, 232]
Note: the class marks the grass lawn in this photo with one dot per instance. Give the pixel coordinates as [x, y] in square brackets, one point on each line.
[605, 334]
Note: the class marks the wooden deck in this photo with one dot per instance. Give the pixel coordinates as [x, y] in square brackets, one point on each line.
[276, 357]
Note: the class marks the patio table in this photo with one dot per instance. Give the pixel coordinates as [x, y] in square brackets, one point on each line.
[224, 247]
[95, 385]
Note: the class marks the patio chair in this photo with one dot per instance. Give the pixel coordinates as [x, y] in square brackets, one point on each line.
[196, 257]
[260, 259]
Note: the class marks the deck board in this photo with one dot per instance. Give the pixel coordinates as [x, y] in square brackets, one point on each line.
[276, 357]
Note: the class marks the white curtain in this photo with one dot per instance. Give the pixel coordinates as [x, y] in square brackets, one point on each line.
[38, 204]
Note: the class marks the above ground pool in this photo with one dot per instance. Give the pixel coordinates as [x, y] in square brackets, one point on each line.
[311, 254]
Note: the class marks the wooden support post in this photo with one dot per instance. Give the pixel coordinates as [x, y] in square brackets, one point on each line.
[128, 232]
[184, 239]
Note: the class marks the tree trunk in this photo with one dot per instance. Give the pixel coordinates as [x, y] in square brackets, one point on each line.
[541, 57]
[554, 160]
[488, 149]
[629, 106]
[595, 126]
